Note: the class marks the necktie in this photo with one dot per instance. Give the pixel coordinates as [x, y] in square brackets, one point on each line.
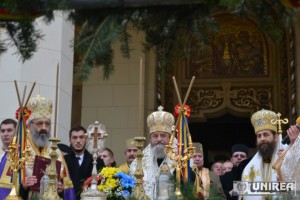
[78, 159]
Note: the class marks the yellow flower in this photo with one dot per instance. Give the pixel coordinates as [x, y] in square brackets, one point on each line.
[112, 183]
[109, 172]
[102, 187]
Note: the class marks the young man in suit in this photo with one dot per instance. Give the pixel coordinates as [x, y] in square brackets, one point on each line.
[79, 160]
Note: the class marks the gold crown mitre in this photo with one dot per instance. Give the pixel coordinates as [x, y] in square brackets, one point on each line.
[262, 120]
[160, 121]
[198, 147]
[40, 107]
[131, 143]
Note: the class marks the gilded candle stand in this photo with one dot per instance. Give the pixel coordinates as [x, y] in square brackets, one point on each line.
[17, 161]
[138, 190]
[51, 190]
[174, 153]
[16, 164]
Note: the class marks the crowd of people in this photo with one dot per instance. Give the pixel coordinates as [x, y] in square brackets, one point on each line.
[273, 162]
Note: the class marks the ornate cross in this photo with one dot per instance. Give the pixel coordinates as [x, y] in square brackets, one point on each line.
[279, 121]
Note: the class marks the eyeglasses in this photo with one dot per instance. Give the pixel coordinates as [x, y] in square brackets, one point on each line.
[40, 123]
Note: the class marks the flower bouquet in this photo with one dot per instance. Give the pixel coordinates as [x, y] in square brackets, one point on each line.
[114, 183]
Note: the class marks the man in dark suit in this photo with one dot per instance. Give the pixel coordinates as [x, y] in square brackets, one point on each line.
[239, 159]
[79, 160]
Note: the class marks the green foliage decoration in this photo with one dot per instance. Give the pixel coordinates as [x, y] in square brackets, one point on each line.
[171, 29]
[20, 27]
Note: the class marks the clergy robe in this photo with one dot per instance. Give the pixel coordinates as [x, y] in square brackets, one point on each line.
[151, 171]
[257, 170]
[288, 169]
[125, 168]
[5, 178]
[207, 184]
[68, 192]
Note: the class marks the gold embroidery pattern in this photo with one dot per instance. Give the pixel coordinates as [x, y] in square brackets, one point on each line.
[252, 174]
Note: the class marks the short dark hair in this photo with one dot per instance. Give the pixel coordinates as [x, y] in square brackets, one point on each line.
[9, 121]
[76, 128]
[110, 152]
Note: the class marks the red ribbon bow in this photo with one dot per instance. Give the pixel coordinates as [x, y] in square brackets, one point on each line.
[26, 113]
[186, 110]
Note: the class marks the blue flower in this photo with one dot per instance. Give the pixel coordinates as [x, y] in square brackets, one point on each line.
[125, 194]
[123, 184]
[127, 181]
[120, 175]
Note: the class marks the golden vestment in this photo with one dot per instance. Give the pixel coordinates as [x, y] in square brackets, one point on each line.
[207, 184]
[125, 168]
[45, 152]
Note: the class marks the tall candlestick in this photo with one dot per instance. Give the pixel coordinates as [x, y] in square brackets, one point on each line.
[141, 96]
[190, 140]
[56, 97]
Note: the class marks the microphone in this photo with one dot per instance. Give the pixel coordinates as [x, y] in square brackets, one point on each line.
[286, 139]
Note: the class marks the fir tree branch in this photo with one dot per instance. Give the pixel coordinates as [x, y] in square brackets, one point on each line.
[170, 27]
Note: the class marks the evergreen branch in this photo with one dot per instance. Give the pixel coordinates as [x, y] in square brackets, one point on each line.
[24, 36]
[172, 28]
[93, 38]
[97, 46]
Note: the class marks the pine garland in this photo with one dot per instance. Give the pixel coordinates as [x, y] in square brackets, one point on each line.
[171, 29]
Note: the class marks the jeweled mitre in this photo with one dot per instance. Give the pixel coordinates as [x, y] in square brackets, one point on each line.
[40, 107]
[262, 120]
[160, 121]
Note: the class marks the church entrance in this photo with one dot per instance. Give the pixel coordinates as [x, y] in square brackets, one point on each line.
[231, 82]
[217, 135]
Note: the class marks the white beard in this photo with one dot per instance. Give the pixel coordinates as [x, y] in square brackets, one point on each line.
[40, 140]
[158, 151]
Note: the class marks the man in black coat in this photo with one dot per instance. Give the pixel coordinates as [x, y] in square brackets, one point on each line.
[79, 160]
[239, 160]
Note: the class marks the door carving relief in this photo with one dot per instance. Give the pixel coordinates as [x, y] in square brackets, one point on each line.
[238, 71]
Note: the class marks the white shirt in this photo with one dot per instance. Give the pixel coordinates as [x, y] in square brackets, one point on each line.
[80, 159]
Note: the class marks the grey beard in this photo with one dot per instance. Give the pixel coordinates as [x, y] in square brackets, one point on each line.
[158, 151]
[40, 140]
